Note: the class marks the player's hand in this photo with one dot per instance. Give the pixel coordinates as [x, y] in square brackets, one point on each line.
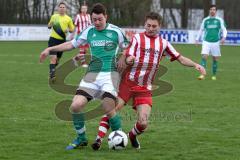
[121, 65]
[130, 60]
[223, 40]
[49, 26]
[44, 55]
[201, 69]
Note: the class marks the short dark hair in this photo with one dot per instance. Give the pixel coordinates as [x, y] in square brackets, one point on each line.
[99, 8]
[154, 16]
[213, 5]
[83, 5]
[62, 3]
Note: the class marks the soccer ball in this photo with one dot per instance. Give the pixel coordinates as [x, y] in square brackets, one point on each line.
[117, 140]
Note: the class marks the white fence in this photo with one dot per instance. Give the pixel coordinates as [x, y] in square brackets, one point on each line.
[41, 33]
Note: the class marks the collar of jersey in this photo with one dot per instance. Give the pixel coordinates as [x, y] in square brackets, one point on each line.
[212, 16]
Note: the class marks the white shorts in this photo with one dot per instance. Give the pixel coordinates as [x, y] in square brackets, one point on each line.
[210, 48]
[96, 84]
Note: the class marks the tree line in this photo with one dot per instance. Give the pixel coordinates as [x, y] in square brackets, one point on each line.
[121, 12]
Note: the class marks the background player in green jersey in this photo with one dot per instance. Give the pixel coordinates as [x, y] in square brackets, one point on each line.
[212, 26]
[101, 80]
[60, 24]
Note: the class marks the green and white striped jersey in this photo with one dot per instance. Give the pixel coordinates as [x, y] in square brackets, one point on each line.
[212, 28]
[104, 46]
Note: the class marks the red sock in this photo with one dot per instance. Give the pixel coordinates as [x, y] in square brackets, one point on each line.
[136, 130]
[81, 57]
[103, 127]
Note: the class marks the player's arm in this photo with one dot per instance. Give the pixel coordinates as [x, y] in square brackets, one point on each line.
[224, 31]
[50, 23]
[74, 32]
[183, 60]
[189, 63]
[124, 61]
[199, 33]
[71, 26]
[121, 64]
[67, 46]
[127, 57]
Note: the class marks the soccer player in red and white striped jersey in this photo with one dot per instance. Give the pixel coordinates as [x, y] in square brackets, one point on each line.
[148, 52]
[142, 57]
[82, 21]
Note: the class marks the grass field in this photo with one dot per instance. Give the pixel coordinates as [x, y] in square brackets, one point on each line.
[197, 120]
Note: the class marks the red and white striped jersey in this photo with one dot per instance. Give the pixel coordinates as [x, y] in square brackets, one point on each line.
[82, 21]
[148, 52]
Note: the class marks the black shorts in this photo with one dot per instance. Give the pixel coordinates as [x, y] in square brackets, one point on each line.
[53, 42]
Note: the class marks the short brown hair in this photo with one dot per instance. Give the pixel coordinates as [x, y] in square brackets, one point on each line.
[99, 8]
[213, 5]
[154, 16]
[62, 3]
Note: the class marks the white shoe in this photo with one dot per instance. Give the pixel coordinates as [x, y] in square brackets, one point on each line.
[84, 65]
[201, 77]
[214, 78]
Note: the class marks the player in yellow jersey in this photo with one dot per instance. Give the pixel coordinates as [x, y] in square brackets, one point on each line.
[60, 24]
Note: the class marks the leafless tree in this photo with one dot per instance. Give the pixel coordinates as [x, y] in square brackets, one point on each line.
[121, 12]
[184, 13]
[172, 15]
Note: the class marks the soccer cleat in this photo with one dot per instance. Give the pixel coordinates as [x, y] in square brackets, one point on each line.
[214, 78]
[52, 77]
[77, 143]
[97, 144]
[201, 77]
[134, 142]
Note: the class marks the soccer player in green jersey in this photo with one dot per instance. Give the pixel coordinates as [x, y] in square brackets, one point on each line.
[212, 26]
[101, 80]
[60, 24]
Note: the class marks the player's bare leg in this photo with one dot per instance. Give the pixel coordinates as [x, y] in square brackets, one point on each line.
[143, 112]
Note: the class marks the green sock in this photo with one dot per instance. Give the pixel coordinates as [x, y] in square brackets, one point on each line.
[115, 122]
[204, 62]
[78, 122]
[214, 67]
